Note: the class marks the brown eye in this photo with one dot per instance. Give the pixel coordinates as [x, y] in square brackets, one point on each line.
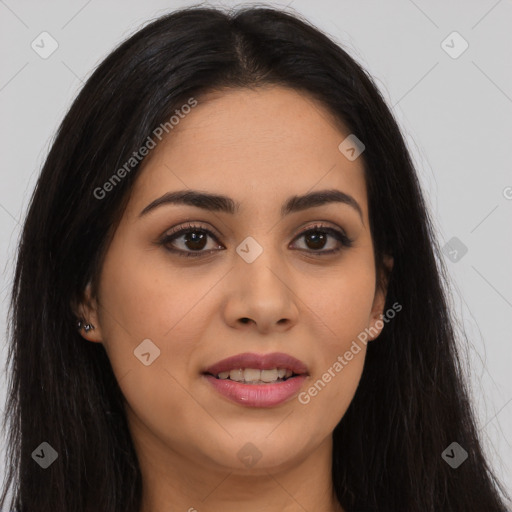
[192, 241]
[189, 241]
[195, 240]
[317, 237]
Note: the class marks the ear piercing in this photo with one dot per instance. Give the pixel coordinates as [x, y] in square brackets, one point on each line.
[87, 327]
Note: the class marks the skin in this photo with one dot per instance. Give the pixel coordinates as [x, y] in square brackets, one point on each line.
[258, 147]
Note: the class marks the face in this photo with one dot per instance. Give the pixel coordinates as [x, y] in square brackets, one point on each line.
[286, 283]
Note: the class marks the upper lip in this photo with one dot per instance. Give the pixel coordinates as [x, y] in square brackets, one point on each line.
[258, 362]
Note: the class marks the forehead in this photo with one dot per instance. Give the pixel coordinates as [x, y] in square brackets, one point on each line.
[255, 145]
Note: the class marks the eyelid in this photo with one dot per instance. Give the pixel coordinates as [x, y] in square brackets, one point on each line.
[189, 225]
[320, 225]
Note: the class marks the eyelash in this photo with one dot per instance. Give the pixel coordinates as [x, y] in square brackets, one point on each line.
[345, 241]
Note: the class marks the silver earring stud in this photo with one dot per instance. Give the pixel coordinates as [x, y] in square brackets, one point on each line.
[87, 327]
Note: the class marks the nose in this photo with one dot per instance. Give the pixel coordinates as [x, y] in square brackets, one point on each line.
[261, 296]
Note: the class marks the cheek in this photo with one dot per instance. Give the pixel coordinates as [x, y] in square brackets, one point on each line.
[343, 303]
[142, 298]
[341, 313]
[145, 302]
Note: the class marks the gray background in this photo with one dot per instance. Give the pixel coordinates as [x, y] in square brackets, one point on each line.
[456, 114]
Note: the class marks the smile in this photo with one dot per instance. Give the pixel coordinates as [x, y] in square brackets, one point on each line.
[255, 380]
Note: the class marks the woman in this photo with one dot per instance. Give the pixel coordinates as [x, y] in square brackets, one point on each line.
[226, 294]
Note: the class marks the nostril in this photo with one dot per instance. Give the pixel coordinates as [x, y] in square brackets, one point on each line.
[245, 320]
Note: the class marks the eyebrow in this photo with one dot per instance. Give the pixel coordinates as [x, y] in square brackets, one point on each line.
[220, 203]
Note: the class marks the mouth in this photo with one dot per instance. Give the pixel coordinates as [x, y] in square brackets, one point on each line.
[257, 380]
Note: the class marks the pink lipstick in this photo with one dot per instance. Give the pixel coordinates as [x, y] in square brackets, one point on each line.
[257, 380]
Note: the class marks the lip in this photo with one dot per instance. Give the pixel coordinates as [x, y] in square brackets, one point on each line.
[258, 395]
[259, 362]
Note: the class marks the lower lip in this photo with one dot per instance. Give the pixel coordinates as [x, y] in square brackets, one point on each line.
[258, 395]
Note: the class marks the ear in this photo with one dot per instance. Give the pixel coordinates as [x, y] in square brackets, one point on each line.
[379, 301]
[86, 310]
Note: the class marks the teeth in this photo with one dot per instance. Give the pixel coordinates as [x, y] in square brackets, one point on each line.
[255, 376]
[268, 375]
[237, 375]
[251, 375]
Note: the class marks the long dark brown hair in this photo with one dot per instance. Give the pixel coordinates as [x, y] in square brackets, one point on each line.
[411, 402]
